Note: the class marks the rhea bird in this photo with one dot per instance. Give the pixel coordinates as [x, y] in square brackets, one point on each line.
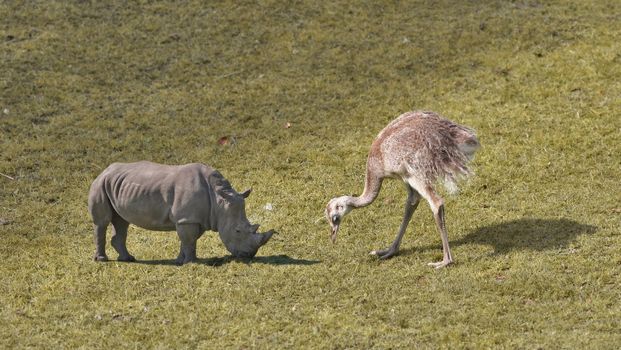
[422, 149]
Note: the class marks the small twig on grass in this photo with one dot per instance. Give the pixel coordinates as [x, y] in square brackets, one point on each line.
[229, 74]
[7, 176]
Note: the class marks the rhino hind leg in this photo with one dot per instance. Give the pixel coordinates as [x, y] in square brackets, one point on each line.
[119, 238]
[188, 235]
[100, 242]
[101, 212]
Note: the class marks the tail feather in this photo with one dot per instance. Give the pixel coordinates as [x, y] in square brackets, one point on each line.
[468, 144]
[456, 168]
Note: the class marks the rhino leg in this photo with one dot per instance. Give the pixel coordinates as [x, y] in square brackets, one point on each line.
[180, 257]
[100, 242]
[101, 212]
[188, 234]
[119, 238]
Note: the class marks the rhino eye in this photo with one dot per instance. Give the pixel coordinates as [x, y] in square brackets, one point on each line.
[339, 207]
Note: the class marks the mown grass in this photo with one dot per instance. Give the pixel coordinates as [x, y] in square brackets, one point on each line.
[535, 233]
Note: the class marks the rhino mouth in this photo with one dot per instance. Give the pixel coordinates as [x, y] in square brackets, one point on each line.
[250, 249]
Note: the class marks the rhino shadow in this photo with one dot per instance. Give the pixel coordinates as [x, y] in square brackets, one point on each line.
[219, 261]
[521, 234]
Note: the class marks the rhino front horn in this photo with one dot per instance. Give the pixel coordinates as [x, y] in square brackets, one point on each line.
[266, 237]
[246, 193]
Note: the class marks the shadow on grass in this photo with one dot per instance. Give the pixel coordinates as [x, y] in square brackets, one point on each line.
[521, 234]
[269, 260]
[533, 234]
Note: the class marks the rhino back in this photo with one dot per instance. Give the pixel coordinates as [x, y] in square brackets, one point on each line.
[157, 197]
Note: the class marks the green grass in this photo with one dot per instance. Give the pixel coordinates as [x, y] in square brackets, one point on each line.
[535, 234]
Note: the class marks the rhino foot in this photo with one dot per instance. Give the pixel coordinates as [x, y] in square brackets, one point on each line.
[181, 259]
[128, 258]
[99, 257]
[183, 262]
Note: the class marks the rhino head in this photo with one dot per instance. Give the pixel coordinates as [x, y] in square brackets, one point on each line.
[239, 236]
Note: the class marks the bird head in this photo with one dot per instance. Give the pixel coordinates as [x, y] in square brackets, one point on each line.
[336, 209]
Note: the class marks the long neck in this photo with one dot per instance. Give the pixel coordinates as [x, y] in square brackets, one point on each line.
[372, 186]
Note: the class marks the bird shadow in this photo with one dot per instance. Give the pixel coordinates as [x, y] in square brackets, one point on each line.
[524, 234]
[219, 261]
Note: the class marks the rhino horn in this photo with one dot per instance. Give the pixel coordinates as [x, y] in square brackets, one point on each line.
[254, 228]
[266, 237]
[246, 193]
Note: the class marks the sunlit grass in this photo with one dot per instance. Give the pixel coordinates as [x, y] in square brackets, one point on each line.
[300, 90]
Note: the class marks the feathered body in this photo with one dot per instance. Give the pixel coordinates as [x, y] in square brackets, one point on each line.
[421, 148]
[425, 146]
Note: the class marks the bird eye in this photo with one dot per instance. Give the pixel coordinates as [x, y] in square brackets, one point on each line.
[335, 219]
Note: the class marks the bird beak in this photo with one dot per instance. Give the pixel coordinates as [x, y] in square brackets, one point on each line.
[335, 229]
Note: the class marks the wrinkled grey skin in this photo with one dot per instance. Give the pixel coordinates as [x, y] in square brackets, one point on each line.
[189, 198]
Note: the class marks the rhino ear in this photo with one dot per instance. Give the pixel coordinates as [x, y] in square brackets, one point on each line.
[246, 193]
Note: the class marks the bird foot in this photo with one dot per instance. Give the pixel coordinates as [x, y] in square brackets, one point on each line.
[440, 264]
[385, 253]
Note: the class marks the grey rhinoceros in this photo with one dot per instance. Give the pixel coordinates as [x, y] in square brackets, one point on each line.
[189, 198]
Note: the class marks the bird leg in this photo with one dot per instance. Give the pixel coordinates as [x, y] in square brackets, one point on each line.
[437, 206]
[438, 214]
[410, 206]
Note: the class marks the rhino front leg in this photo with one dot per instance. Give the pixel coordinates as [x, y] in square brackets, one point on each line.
[188, 235]
[119, 238]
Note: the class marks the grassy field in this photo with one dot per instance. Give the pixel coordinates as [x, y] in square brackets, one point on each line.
[300, 89]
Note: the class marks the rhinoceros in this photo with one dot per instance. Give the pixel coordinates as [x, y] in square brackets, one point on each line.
[190, 199]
